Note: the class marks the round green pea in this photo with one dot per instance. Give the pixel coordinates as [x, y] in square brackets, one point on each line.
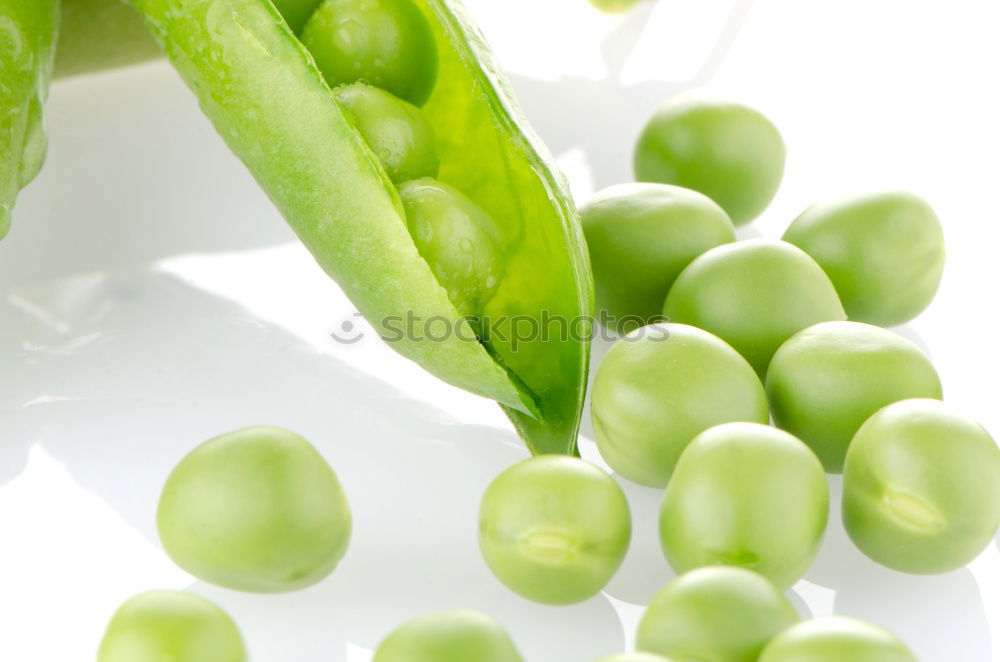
[634, 657]
[614, 6]
[827, 380]
[884, 253]
[554, 529]
[296, 12]
[641, 236]
[661, 386]
[459, 240]
[385, 43]
[748, 495]
[717, 614]
[729, 152]
[921, 488]
[755, 295]
[171, 625]
[255, 510]
[449, 636]
[395, 130]
[836, 639]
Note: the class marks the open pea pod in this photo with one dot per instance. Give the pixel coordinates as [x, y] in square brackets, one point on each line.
[260, 87]
[28, 30]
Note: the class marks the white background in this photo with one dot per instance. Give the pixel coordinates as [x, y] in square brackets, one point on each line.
[150, 298]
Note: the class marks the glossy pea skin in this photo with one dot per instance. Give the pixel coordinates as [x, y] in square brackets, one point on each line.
[715, 614]
[396, 131]
[458, 239]
[836, 639]
[449, 636]
[748, 495]
[554, 529]
[731, 153]
[278, 518]
[171, 625]
[614, 6]
[755, 295]
[385, 43]
[883, 251]
[827, 380]
[661, 386]
[921, 488]
[640, 237]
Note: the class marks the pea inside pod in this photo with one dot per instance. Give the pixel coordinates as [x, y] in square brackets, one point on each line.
[27, 46]
[261, 88]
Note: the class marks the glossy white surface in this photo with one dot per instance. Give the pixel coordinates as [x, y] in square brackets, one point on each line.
[150, 298]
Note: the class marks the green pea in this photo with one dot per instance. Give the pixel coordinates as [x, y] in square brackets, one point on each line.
[715, 614]
[460, 241]
[748, 495]
[755, 295]
[554, 529]
[634, 657]
[162, 626]
[884, 253]
[255, 510]
[836, 639]
[641, 236]
[385, 43]
[727, 151]
[614, 6]
[921, 488]
[448, 636]
[825, 381]
[661, 386]
[396, 131]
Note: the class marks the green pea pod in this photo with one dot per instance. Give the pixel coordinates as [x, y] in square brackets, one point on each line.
[262, 90]
[28, 31]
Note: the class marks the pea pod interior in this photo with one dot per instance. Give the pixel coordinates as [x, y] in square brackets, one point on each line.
[263, 92]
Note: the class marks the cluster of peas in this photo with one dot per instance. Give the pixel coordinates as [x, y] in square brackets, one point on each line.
[758, 330]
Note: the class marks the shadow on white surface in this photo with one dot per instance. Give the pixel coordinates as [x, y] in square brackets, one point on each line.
[905, 604]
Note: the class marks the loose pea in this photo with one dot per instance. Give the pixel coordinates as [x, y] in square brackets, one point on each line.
[825, 381]
[748, 495]
[836, 639]
[385, 43]
[396, 131]
[727, 151]
[721, 614]
[448, 636]
[921, 488]
[255, 510]
[884, 253]
[658, 388]
[458, 239]
[158, 626]
[755, 295]
[614, 6]
[554, 529]
[641, 236]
